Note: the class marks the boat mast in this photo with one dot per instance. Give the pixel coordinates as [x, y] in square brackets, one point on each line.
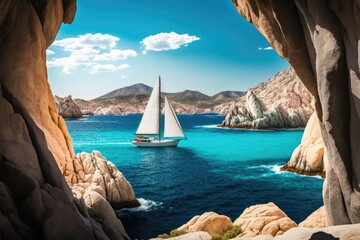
[159, 108]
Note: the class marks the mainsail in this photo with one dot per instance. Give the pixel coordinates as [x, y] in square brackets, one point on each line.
[150, 121]
[172, 126]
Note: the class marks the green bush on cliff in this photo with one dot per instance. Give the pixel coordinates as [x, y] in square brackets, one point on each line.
[231, 233]
[173, 233]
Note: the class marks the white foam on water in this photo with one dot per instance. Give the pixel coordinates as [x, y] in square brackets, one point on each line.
[146, 205]
[208, 126]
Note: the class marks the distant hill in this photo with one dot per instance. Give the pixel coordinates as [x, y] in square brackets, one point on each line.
[139, 88]
[133, 99]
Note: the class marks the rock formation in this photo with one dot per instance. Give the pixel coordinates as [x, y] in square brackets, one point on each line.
[263, 219]
[307, 158]
[36, 153]
[317, 219]
[190, 236]
[342, 232]
[209, 222]
[320, 40]
[95, 174]
[67, 108]
[281, 102]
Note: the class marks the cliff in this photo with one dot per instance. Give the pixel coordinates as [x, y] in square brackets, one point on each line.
[281, 102]
[320, 40]
[36, 155]
[67, 108]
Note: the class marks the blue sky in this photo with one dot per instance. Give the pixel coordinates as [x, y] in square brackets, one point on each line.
[202, 45]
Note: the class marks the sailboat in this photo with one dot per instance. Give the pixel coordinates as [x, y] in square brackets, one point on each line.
[148, 133]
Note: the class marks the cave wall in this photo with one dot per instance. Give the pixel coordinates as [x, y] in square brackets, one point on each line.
[320, 39]
[35, 148]
[23, 72]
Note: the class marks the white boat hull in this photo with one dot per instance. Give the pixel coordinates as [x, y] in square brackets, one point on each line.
[157, 143]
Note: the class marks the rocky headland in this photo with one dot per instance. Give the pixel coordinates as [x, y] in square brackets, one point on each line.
[67, 107]
[281, 102]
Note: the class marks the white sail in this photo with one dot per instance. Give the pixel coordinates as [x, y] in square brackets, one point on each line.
[172, 126]
[150, 121]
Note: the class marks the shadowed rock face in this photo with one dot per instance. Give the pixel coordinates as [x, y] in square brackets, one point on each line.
[37, 161]
[320, 38]
[67, 107]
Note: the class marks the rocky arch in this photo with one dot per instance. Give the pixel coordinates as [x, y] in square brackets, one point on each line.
[320, 39]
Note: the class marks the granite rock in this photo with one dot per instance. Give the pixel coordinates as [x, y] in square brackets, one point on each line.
[67, 107]
[308, 157]
[320, 39]
[209, 222]
[263, 219]
[281, 102]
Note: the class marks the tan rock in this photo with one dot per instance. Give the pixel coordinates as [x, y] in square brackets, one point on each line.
[95, 173]
[209, 222]
[67, 107]
[263, 219]
[307, 158]
[317, 219]
[190, 236]
[281, 102]
[341, 232]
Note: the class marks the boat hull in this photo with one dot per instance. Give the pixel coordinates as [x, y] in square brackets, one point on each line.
[157, 143]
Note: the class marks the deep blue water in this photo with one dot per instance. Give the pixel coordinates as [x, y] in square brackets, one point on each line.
[221, 170]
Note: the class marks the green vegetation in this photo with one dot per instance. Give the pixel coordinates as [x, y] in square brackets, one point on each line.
[173, 233]
[231, 233]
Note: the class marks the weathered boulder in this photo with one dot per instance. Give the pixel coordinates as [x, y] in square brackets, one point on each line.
[209, 222]
[317, 219]
[281, 102]
[96, 174]
[263, 219]
[341, 232]
[67, 107]
[307, 158]
[190, 236]
[320, 39]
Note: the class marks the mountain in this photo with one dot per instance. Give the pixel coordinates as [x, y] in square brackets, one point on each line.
[133, 99]
[126, 91]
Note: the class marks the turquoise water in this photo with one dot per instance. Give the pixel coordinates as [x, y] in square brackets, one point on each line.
[221, 170]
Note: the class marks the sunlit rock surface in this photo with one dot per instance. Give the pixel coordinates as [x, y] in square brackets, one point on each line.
[209, 222]
[264, 219]
[67, 107]
[308, 157]
[281, 102]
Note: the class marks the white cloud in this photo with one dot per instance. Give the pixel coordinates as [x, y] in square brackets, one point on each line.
[49, 52]
[115, 54]
[96, 68]
[123, 76]
[87, 51]
[265, 49]
[98, 40]
[166, 41]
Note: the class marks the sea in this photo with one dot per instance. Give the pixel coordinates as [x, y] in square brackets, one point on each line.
[216, 169]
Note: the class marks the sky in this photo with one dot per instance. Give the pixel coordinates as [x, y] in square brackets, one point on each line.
[202, 45]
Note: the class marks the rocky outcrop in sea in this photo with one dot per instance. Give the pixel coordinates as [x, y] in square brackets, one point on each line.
[308, 157]
[281, 102]
[67, 107]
